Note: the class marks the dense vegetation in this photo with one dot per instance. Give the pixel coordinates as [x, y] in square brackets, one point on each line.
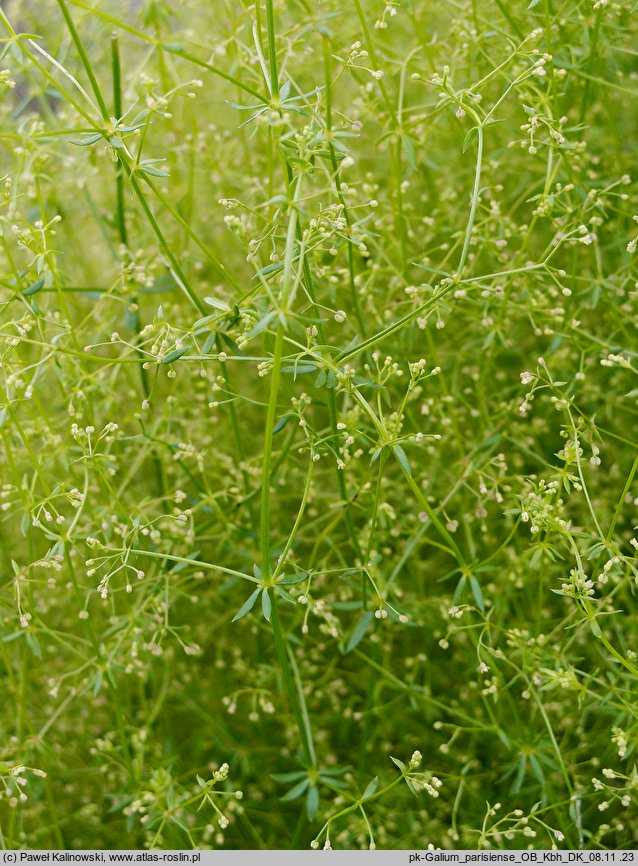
[318, 412]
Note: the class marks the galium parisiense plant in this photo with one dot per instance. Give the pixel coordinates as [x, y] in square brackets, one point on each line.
[318, 412]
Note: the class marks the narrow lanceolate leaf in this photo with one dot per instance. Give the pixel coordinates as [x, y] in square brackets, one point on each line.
[85, 142]
[281, 424]
[175, 355]
[477, 593]
[399, 764]
[266, 605]
[34, 288]
[360, 630]
[371, 788]
[292, 579]
[298, 790]
[152, 171]
[376, 455]
[402, 457]
[289, 777]
[149, 166]
[320, 381]
[247, 606]
[458, 592]
[312, 802]
[469, 138]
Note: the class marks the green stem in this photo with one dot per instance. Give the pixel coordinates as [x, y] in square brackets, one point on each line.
[621, 502]
[473, 204]
[85, 61]
[443, 532]
[272, 49]
[295, 696]
[117, 108]
[267, 461]
[185, 284]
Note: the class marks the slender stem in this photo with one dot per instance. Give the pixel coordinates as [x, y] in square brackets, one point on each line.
[327, 60]
[473, 203]
[197, 301]
[117, 108]
[293, 694]
[85, 61]
[621, 502]
[274, 384]
[220, 268]
[298, 519]
[267, 461]
[443, 532]
[272, 49]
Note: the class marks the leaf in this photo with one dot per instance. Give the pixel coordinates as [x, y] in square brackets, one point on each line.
[359, 631]
[371, 788]
[217, 304]
[210, 342]
[281, 424]
[151, 170]
[288, 777]
[335, 784]
[595, 628]
[533, 3]
[312, 802]
[261, 325]
[298, 369]
[247, 606]
[362, 382]
[470, 135]
[408, 150]
[276, 199]
[476, 592]
[174, 355]
[272, 268]
[537, 770]
[141, 115]
[376, 454]
[291, 579]
[402, 457]
[335, 771]
[297, 791]
[320, 381]
[202, 323]
[266, 605]
[399, 764]
[85, 142]
[460, 586]
[176, 567]
[34, 288]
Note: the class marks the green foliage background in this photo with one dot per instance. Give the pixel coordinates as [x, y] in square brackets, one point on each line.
[318, 411]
